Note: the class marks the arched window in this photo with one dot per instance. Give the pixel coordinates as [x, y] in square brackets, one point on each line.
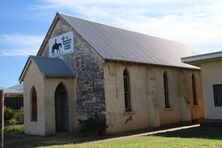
[194, 90]
[33, 104]
[126, 90]
[166, 90]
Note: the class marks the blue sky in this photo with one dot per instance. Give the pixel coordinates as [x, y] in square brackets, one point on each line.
[24, 24]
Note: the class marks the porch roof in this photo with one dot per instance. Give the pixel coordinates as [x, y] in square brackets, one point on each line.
[49, 67]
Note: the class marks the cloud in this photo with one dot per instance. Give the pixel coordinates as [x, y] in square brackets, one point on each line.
[195, 22]
[19, 44]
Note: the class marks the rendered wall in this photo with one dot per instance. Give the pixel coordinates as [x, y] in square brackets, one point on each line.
[34, 78]
[147, 96]
[51, 84]
[211, 74]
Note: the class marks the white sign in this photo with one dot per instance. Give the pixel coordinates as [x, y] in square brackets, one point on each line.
[61, 45]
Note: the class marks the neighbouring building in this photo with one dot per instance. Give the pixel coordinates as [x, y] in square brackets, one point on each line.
[14, 97]
[211, 72]
[129, 79]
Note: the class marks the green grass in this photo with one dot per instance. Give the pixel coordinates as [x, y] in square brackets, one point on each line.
[187, 138]
[149, 141]
[195, 138]
[14, 128]
[10, 130]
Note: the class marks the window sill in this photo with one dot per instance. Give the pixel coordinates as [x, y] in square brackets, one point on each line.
[129, 112]
[168, 109]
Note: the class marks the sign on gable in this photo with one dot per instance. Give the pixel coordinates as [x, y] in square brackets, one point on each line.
[61, 45]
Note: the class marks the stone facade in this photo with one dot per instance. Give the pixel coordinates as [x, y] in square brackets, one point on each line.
[88, 65]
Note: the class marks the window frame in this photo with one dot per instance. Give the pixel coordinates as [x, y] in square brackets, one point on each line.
[215, 95]
[194, 92]
[166, 90]
[126, 87]
[33, 105]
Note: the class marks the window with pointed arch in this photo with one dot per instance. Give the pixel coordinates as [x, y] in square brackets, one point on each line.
[33, 104]
[126, 90]
[166, 90]
[194, 90]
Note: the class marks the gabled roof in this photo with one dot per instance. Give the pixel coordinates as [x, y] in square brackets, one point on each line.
[197, 60]
[17, 89]
[123, 45]
[49, 67]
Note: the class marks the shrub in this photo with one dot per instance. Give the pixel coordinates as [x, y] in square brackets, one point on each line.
[9, 114]
[13, 117]
[95, 125]
[19, 116]
[12, 121]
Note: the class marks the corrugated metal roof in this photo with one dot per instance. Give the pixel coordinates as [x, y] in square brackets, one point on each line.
[119, 44]
[52, 67]
[15, 89]
[197, 60]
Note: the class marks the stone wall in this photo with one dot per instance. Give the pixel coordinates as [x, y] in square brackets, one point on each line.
[88, 65]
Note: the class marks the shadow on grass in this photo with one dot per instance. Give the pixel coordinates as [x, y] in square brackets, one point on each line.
[206, 132]
[22, 140]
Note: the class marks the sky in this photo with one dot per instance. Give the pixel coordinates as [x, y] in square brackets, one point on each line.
[23, 24]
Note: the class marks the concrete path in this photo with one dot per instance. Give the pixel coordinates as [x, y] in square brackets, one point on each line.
[155, 132]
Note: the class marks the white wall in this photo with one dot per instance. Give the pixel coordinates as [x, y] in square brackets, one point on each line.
[45, 89]
[34, 78]
[211, 74]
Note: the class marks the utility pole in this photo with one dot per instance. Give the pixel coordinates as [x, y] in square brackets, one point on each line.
[2, 116]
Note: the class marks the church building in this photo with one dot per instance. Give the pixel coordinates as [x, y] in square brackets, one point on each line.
[129, 79]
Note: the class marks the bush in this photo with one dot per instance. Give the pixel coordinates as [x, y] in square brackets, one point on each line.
[95, 124]
[19, 116]
[9, 114]
[13, 117]
[12, 122]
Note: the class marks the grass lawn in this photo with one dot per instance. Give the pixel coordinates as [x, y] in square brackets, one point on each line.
[196, 137]
[11, 130]
[149, 141]
[14, 128]
[203, 136]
